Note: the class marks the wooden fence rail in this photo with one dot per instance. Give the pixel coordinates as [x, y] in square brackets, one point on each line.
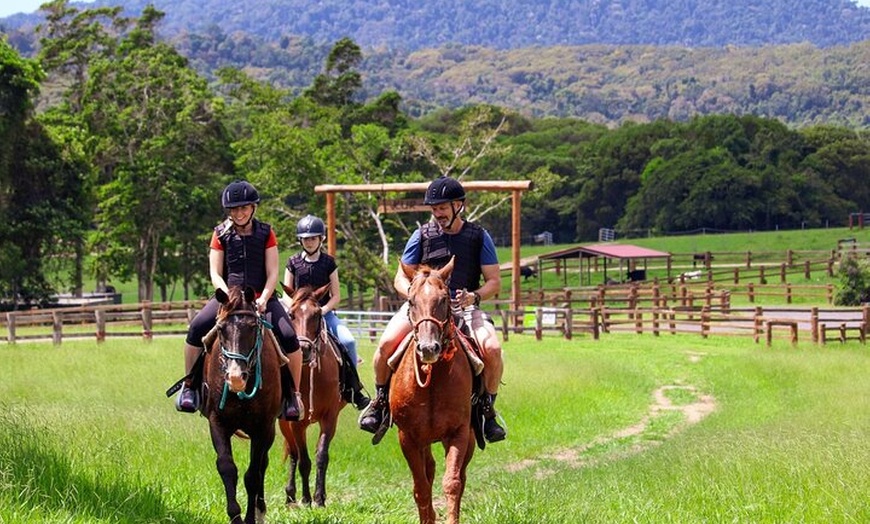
[657, 317]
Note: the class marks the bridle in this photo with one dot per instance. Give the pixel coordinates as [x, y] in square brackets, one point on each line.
[447, 329]
[255, 353]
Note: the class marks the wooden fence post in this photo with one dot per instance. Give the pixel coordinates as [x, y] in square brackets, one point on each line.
[807, 269]
[539, 323]
[569, 323]
[147, 321]
[814, 324]
[100, 321]
[57, 327]
[705, 321]
[10, 324]
[750, 290]
[596, 317]
[782, 273]
[788, 296]
[757, 324]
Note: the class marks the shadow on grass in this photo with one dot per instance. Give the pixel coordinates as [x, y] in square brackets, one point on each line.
[33, 470]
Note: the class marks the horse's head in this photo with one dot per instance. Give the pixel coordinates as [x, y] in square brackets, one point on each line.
[240, 333]
[429, 310]
[307, 318]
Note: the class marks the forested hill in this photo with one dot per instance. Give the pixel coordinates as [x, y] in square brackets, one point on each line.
[512, 24]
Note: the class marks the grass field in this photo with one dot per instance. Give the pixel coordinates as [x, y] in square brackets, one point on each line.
[86, 435]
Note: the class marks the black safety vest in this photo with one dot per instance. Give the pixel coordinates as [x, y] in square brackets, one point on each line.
[438, 246]
[244, 256]
[315, 274]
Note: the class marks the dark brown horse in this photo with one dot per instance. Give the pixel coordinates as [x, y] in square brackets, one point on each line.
[321, 395]
[430, 393]
[243, 393]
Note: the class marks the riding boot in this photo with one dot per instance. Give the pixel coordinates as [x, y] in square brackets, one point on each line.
[188, 398]
[376, 416]
[291, 406]
[492, 431]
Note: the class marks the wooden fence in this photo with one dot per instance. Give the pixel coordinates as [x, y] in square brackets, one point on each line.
[655, 317]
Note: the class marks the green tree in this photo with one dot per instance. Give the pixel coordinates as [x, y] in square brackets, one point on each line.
[162, 146]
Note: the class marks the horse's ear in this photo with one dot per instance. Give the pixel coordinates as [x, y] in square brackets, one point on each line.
[250, 294]
[318, 294]
[447, 270]
[221, 296]
[407, 270]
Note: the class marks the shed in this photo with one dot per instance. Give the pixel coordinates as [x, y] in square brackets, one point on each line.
[632, 260]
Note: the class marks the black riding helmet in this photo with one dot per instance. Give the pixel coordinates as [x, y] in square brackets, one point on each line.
[239, 193]
[310, 226]
[443, 189]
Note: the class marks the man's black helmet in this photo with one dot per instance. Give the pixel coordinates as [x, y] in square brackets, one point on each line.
[239, 193]
[444, 189]
[310, 226]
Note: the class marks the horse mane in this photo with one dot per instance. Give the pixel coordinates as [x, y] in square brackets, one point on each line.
[236, 301]
[304, 293]
[423, 273]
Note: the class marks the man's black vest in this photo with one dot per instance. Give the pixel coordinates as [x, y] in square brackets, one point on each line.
[437, 247]
[314, 274]
[244, 256]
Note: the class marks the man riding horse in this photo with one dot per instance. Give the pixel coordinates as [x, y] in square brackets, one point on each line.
[433, 244]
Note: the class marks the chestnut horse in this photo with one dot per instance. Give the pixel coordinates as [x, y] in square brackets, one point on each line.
[430, 393]
[242, 393]
[321, 395]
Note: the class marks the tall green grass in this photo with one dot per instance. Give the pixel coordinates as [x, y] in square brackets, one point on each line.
[86, 435]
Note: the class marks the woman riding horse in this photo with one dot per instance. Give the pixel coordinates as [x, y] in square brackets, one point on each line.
[244, 252]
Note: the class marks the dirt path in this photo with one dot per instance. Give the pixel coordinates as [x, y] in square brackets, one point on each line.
[637, 438]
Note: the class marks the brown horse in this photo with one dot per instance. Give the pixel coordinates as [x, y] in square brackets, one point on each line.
[242, 393]
[430, 393]
[321, 394]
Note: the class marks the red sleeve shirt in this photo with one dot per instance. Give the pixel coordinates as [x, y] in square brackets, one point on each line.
[215, 243]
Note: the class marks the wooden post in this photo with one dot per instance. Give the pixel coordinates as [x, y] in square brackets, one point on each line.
[569, 323]
[705, 321]
[331, 242]
[761, 279]
[750, 289]
[748, 259]
[814, 324]
[539, 323]
[757, 324]
[100, 320]
[596, 317]
[807, 269]
[10, 324]
[782, 273]
[736, 275]
[788, 294]
[823, 335]
[146, 321]
[57, 327]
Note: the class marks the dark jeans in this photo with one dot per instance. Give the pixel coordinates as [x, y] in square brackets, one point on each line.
[275, 315]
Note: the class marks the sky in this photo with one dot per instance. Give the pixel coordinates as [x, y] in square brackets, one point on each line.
[9, 7]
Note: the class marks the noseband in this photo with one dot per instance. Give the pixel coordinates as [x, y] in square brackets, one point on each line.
[255, 352]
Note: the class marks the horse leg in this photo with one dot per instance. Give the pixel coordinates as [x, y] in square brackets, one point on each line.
[422, 465]
[327, 432]
[293, 453]
[299, 433]
[220, 440]
[453, 483]
[255, 476]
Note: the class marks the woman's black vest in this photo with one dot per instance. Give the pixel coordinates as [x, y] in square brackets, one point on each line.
[244, 256]
[314, 274]
[437, 247]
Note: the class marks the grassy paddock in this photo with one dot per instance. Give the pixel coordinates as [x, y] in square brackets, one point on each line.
[86, 435]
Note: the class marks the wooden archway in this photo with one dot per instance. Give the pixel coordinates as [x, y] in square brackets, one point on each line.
[516, 187]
